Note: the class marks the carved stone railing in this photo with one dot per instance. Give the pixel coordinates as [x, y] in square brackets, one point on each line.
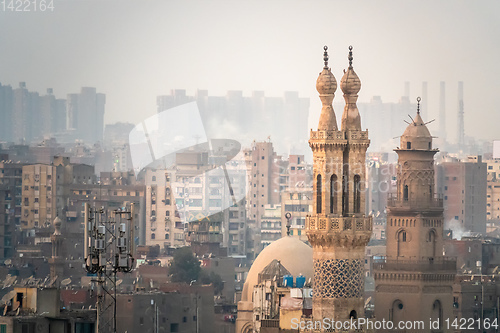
[338, 224]
[328, 135]
[393, 202]
[417, 265]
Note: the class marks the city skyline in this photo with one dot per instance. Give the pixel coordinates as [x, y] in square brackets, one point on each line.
[134, 54]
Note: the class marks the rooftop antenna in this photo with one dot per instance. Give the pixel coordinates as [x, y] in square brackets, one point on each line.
[108, 249]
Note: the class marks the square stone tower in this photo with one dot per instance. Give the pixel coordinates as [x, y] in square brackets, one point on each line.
[415, 281]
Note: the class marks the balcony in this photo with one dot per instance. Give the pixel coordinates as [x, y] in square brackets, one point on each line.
[338, 223]
[431, 203]
[417, 265]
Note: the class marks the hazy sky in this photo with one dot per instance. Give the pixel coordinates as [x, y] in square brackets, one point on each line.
[135, 50]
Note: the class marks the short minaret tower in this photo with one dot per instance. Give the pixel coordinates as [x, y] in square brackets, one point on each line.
[414, 281]
[338, 229]
[57, 261]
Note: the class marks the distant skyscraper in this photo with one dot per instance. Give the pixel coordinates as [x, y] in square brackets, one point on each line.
[86, 114]
[6, 100]
[407, 89]
[25, 115]
[245, 119]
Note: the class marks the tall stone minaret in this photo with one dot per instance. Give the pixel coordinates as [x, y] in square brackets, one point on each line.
[338, 229]
[415, 281]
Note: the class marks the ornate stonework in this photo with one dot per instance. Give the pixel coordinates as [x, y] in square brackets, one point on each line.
[337, 229]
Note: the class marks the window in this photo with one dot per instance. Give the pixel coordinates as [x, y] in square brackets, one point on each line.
[405, 193]
[167, 236]
[408, 145]
[357, 194]
[153, 236]
[333, 194]
[153, 179]
[318, 194]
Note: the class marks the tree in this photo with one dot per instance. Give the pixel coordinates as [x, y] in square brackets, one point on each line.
[213, 279]
[185, 267]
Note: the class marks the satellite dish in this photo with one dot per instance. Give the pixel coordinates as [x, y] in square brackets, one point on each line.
[65, 282]
[8, 261]
[119, 282]
[7, 297]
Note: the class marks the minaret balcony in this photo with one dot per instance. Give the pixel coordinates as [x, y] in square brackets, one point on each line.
[412, 204]
[438, 264]
[328, 135]
[338, 224]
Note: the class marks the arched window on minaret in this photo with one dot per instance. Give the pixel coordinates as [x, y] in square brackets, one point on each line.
[333, 194]
[357, 194]
[437, 313]
[405, 193]
[318, 194]
[401, 238]
[431, 237]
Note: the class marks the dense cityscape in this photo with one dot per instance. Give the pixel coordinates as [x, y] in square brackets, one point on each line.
[249, 210]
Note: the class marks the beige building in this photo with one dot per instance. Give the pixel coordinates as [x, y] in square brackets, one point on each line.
[46, 190]
[297, 202]
[39, 196]
[415, 281]
[463, 188]
[192, 189]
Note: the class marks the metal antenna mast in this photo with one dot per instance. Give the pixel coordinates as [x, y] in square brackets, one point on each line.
[108, 249]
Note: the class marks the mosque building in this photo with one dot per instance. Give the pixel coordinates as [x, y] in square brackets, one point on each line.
[415, 280]
[329, 273]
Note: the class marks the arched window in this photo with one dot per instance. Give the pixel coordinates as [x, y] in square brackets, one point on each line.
[357, 194]
[405, 193]
[333, 194]
[402, 236]
[353, 315]
[318, 194]
[396, 312]
[437, 313]
[153, 236]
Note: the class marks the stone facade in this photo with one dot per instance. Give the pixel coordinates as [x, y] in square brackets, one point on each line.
[337, 229]
[415, 281]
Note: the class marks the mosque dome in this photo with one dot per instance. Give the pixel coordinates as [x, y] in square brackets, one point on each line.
[295, 255]
[326, 84]
[417, 135]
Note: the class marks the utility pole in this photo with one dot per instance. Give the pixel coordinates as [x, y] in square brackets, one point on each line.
[108, 249]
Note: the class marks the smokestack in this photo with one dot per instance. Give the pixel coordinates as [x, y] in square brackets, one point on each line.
[461, 129]
[442, 111]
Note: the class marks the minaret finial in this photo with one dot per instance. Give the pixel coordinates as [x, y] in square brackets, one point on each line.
[325, 56]
[350, 56]
[418, 105]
